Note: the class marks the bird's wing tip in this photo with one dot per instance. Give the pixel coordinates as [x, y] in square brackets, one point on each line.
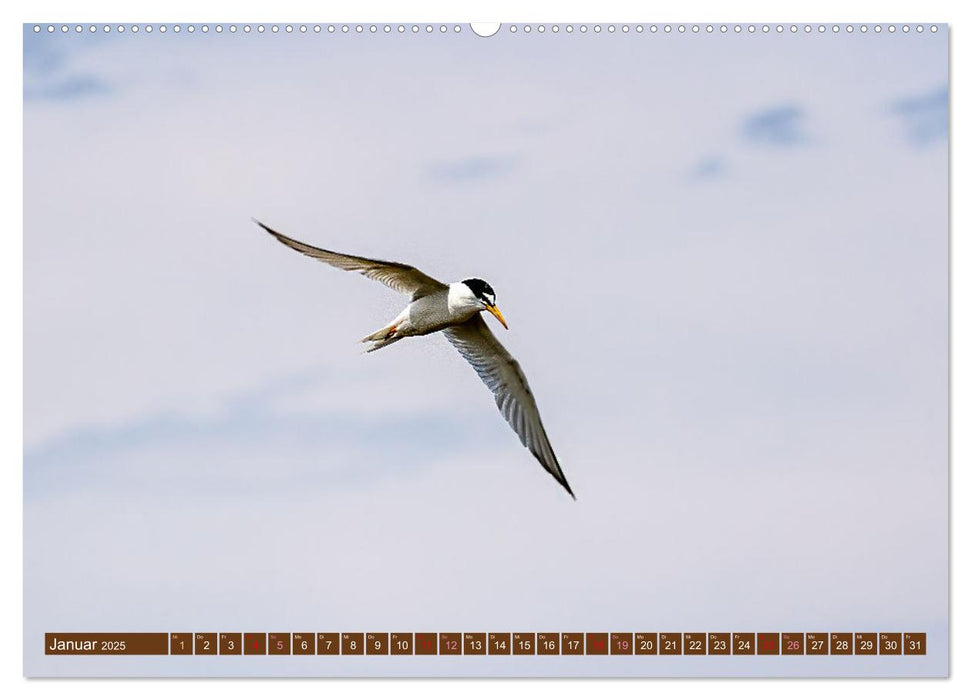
[276, 234]
[568, 489]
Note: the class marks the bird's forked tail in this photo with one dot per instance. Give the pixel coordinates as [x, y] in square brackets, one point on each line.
[381, 338]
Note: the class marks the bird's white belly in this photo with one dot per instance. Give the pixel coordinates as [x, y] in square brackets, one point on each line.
[428, 315]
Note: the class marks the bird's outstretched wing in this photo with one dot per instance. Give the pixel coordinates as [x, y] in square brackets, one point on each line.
[504, 377]
[401, 278]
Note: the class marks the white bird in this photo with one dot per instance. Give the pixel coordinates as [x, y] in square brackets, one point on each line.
[453, 309]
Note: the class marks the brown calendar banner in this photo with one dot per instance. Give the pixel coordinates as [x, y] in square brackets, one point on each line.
[486, 643]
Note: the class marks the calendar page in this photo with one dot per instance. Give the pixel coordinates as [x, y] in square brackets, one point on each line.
[513, 350]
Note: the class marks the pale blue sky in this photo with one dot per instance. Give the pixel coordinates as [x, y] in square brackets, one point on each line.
[724, 264]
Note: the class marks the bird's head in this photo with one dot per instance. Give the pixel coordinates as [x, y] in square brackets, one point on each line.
[484, 297]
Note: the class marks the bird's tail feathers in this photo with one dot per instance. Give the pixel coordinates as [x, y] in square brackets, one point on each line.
[382, 334]
[378, 344]
[381, 338]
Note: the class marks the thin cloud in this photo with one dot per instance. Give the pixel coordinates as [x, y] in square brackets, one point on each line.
[924, 116]
[782, 126]
[471, 169]
[53, 71]
[709, 168]
[74, 87]
[41, 55]
[251, 420]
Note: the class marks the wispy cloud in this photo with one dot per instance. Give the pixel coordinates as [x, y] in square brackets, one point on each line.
[924, 116]
[471, 168]
[708, 168]
[782, 126]
[70, 88]
[41, 54]
[252, 421]
[52, 71]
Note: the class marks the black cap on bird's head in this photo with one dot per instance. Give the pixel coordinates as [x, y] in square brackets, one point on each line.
[481, 289]
[485, 294]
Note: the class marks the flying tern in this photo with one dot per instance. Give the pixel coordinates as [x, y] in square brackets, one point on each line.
[454, 309]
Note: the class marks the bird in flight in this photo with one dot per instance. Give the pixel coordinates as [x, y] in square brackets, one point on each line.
[453, 309]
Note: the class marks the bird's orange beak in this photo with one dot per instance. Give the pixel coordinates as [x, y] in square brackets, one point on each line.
[498, 314]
